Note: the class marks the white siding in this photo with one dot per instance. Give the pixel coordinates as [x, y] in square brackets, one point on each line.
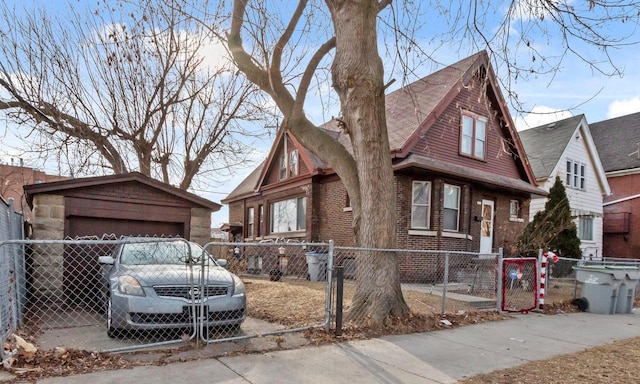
[589, 200]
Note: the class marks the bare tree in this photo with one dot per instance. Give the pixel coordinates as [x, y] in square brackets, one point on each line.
[125, 88]
[357, 75]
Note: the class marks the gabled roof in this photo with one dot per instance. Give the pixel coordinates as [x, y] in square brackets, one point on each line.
[247, 187]
[410, 112]
[413, 108]
[66, 185]
[546, 144]
[618, 142]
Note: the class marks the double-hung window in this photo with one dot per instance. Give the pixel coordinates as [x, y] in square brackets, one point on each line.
[260, 219]
[473, 136]
[576, 175]
[585, 228]
[293, 163]
[250, 221]
[289, 164]
[451, 211]
[421, 205]
[514, 210]
[283, 167]
[288, 215]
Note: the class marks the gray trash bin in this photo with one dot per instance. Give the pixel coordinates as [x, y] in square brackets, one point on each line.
[608, 289]
[317, 265]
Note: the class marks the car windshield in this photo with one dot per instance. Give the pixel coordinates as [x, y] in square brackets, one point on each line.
[154, 253]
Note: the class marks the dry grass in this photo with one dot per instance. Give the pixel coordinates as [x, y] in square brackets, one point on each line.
[613, 363]
[299, 303]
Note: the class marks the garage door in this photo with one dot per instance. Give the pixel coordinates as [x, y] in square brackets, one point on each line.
[89, 226]
[81, 268]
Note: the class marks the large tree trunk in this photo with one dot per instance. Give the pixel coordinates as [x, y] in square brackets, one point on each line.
[358, 77]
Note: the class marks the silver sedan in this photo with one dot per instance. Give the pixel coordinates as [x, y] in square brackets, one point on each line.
[169, 284]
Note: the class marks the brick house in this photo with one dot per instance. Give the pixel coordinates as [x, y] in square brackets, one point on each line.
[14, 176]
[462, 178]
[618, 143]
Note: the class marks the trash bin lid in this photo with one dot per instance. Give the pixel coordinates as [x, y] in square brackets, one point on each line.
[619, 272]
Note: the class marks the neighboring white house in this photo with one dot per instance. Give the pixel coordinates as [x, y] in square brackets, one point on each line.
[565, 148]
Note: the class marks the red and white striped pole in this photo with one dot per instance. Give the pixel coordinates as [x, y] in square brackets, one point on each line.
[543, 276]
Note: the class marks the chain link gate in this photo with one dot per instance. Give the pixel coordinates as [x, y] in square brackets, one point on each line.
[519, 284]
[118, 295]
[274, 271]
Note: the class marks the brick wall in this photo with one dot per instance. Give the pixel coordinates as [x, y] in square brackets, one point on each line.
[334, 218]
[624, 245]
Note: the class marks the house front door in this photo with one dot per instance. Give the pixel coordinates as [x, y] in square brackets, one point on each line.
[486, 227]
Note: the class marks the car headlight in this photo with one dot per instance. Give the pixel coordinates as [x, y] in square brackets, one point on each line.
[130, 286]
[238, 286]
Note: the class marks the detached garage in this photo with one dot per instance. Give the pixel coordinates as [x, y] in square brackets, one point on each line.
[107, 207]
[123, 204]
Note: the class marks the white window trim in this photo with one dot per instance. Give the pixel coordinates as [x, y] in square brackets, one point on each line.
[294, 168]
[414, 232]
[251, 218]
[592, 239]
[428, 205]
[474, 139]
[272, 218]
[573, 180]
[518, 217]
[457, 209]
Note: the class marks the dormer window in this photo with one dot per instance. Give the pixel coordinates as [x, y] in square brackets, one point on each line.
[473, 136]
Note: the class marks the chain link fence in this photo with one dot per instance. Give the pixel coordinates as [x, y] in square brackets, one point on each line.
[12, 273]
[432, 282]
[111, 295]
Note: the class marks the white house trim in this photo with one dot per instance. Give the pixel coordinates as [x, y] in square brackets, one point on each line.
[621, 200]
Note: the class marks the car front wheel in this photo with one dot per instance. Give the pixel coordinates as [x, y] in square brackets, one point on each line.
[111, 331]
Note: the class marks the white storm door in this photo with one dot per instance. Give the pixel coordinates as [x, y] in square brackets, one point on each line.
[486, 227]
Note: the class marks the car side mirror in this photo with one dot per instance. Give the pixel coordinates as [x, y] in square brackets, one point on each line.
[106, 260]
[222, 262]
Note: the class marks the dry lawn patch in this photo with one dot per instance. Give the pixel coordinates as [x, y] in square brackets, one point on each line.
[300, 303]
[613, 363]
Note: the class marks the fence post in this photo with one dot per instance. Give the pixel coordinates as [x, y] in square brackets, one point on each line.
[445, 281]
[327, 315]
[499, 278]
[339, 297]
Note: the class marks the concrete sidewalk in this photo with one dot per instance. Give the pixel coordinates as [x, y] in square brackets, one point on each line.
[434, 357]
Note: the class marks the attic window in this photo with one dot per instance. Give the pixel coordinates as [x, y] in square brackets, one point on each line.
[473, 136]
[576, 175]
[283, 167]
[293, 163]
[289, 163]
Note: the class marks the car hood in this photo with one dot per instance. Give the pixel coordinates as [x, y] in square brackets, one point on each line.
[151, 275]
